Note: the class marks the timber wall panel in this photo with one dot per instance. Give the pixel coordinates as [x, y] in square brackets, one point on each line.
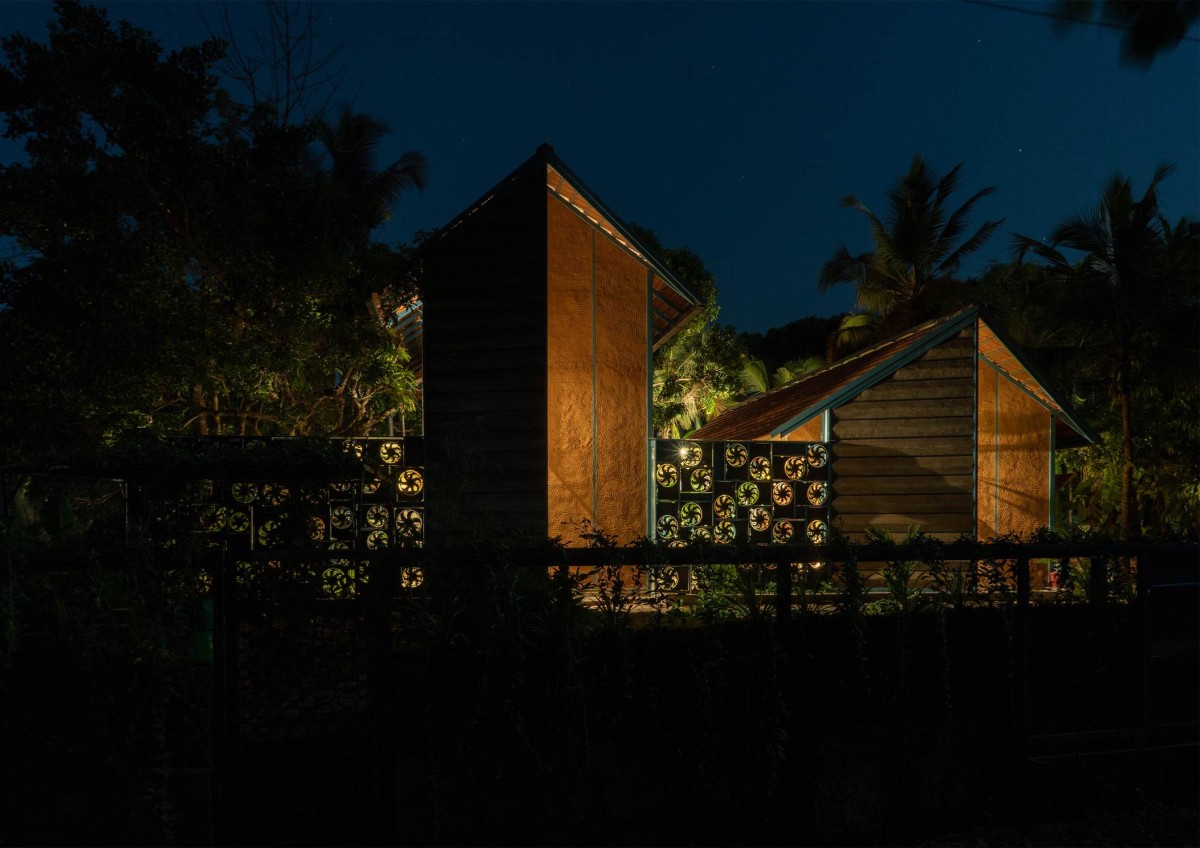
[484, 311]
[920, 389]
[957, 408]
[570, 411]
[945, 527]
[904, 449]
[1014, 457]
[988, 418]
[621, 391]
[953, 446]
[898, 427]
[597, 415]
[907, 484]
[901, 464]
[925, 370]
[810, 431]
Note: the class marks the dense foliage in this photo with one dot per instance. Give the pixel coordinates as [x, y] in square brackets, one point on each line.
[696, 370]
[804, 338]
[1114, 324]
[1122, 313]
[179, 261]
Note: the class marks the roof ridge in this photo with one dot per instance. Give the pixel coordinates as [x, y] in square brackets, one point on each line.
[867, 351]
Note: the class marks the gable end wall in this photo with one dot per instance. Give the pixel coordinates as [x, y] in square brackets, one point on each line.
[485, 369]
[904, 452]
[597, 417]
[1014, 457]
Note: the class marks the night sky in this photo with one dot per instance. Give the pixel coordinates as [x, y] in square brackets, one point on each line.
[736, 129]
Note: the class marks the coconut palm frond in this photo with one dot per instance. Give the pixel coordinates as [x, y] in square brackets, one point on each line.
[793, 370]
[957, 222]
[949, 184]
[754, 377]
[969, 246]
[914, 249]
[1085, 230]
[856, 329]
[1021, 245]
[841, 267]
[408, 172]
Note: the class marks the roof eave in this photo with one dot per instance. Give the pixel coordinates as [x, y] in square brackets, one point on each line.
[1065, 411]
[881, 371]
[551, 158]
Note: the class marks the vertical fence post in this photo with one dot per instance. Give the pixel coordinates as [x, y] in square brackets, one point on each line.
[1066, 579]
[1147, 571]
[1097, 581]
[380, 587]
[783, 592]
[223, 708]
[1021, 717]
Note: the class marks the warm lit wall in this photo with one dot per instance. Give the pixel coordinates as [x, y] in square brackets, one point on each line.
[810, 431]
[1014, 457]
[570, 432]
[596, 411]
[622, 390]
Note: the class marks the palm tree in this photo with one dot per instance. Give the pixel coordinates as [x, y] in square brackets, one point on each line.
[1128, 260]
[755, 379]
[352, 143]
[911, 275]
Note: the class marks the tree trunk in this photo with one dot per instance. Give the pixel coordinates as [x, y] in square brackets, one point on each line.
[201, 411]
[1125, 396]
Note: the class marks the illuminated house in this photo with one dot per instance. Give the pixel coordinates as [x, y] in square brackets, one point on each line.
[541, 313]
[946, 427]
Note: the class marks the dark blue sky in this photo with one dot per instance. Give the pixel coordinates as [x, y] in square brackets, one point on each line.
[735, 129]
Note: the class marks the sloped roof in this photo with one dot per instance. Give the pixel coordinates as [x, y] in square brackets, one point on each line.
[780, 411]
[1006, 357]
[673, 302]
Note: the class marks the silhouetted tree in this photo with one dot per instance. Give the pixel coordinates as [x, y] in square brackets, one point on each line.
[911, 274]
[183, 261]
[1150, 28]
[1135, 279]
[799, 339]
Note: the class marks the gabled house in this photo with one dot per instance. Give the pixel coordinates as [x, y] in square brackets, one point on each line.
[946, 427]
[540, 316]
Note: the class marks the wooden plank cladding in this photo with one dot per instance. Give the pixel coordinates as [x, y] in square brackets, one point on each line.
[916, 408]
[906, 484]
[915, 504]
[898, 464]
[962, 347]
[945, 527]
[485, 303]
[943, 370]
[920, 389]
[904, 448]
[947, 446]
[898, 427]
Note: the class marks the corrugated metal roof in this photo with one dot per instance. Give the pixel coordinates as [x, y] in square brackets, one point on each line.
[763, 415]
[779, 411]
